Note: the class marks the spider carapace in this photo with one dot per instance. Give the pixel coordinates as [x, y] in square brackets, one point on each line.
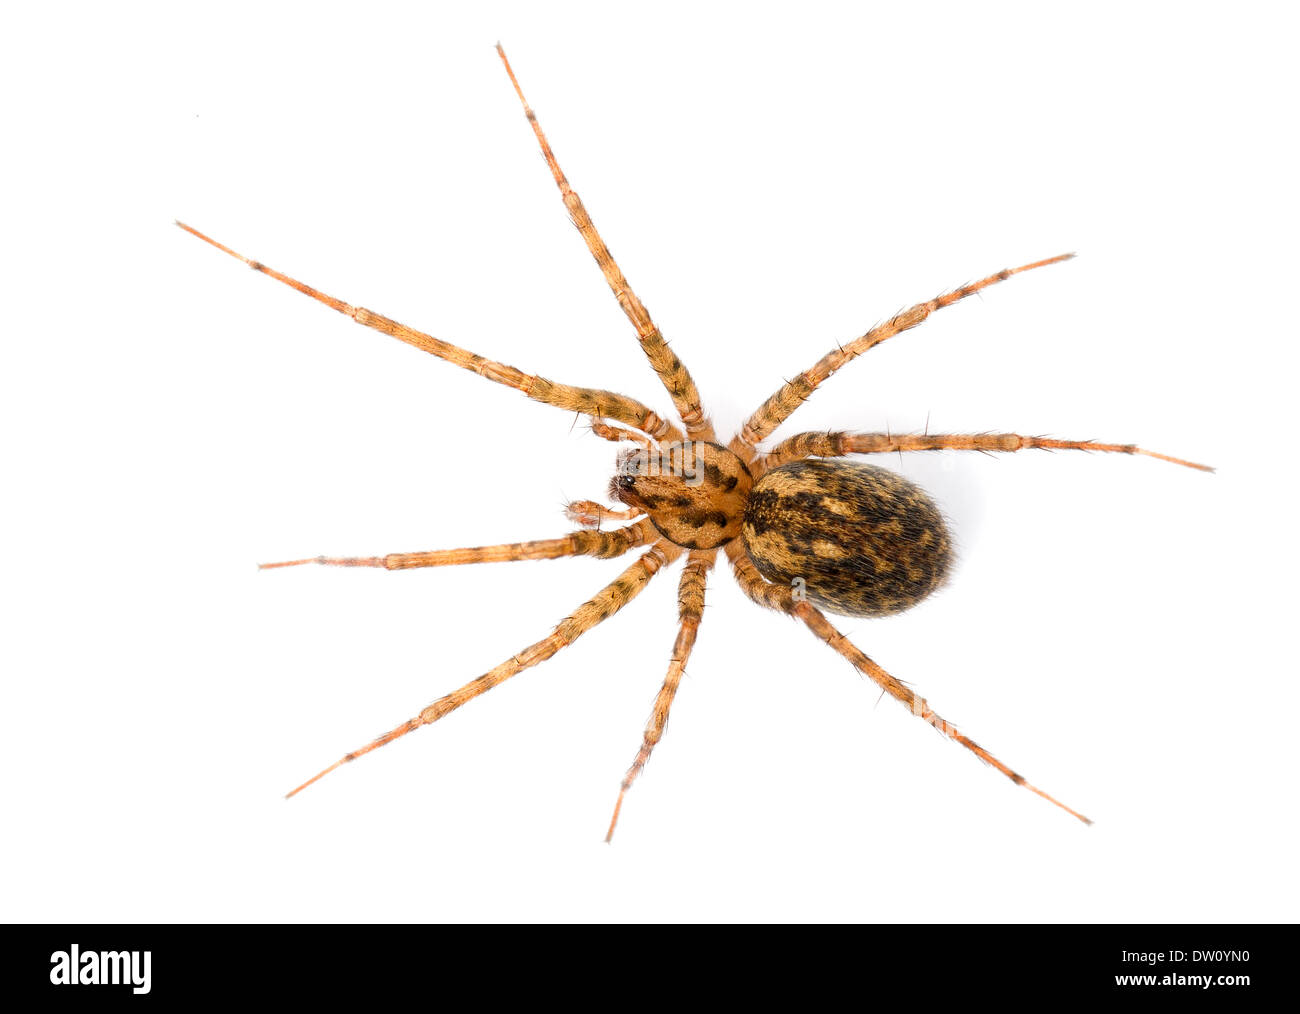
[804, 527]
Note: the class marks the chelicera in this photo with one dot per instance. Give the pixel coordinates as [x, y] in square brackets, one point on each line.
[805, 527]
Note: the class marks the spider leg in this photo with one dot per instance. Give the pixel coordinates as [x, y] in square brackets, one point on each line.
[600, 607]
[599, 544]
[585, 400]
[690, 607]
[836, 445]
[781, 598]
[676, 378]
[795, 392]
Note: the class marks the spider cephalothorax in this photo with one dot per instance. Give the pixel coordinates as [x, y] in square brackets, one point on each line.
[693, 491]
[799, 528]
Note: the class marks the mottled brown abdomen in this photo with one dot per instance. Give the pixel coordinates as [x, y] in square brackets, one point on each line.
[862, 540]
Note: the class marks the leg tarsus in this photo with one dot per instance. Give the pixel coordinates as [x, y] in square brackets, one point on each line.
[329, 561]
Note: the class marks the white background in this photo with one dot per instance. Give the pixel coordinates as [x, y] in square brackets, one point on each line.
[1118, 629]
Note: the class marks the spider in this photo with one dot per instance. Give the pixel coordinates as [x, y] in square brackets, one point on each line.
[805, 531]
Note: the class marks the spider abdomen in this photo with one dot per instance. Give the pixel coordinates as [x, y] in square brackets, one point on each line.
[853, 538]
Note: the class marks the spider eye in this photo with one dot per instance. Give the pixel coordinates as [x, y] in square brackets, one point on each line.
[621, 489]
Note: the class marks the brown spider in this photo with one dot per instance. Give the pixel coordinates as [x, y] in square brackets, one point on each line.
[799, 528]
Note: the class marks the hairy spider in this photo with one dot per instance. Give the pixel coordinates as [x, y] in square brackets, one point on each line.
[800, 528]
